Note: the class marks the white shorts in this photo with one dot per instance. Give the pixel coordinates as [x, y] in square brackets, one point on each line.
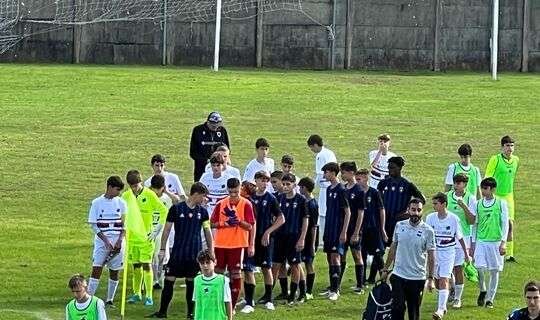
[444, 263]
[460, 257]
[101, 253]
[158, 248]
[487, 256]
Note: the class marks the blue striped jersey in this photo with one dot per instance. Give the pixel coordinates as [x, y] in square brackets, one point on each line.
[336, 203]
[355, 197]
[313, 211]
[396, 194]
[266, 210]
[187, 224]
[294, 210]
[373, 204]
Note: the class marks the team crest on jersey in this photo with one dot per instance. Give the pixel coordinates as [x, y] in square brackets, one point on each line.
[204, 132]
[102, 210]
[393, 188]
[294, 205]
[219, 134]
[190, 215]
[222, 186]
[352, 195]
[400, 189]
[287, 204]
[117, 209]
[447, 227]
[334, 195]
[455, 207]
[169, 186]
[386, 188]
[143, 200]
[368, 199]
[199, 216]
[181, 215]
[264, 203]
[256, 201]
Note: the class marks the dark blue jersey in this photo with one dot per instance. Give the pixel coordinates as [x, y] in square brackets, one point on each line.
[313, 210]
[266, 210]
[336, 203]
[372, 209]
[355, 197]
[396, 194]
[187, 224]
[294, 210]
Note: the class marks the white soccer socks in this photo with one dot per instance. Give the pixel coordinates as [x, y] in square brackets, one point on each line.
[443, 299]
[113, 285]
[493, 284]
[92, 286]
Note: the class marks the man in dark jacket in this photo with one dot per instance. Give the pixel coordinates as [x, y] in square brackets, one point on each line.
[205, 138]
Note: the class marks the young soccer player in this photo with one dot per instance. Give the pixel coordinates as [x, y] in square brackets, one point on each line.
[463, 204]
[287, 166]
[173, 186]
[532, 298]
[188, 218]
[233, 219]
[215, 181]
[290, 238]
[212, 294]
[378, 160]
[489, 234]
[84, 306]
[355, 197]
[268, 220]
[227, 166]
[373, 234]
[140, 254]
[396, 192]
[446, 226]
[106, 217]
[335, 229]
[306, 186]
[261, 162]
[277, 186]
[503, 167]
[467, 168]
[275, 181]
[323, 156]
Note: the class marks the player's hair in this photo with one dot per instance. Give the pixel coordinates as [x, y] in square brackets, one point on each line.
[489, 182]
[465, 150]
[233, 183]
[460, 177]
[531, 286]
[157, 181]
[440, 197]
[199, 188]
[261, 142]
[348, 166]
[398, 161]
[262, 175]
[217, 158]
[315, 139]
[205, 256]
[115, 182]
[331, 166]
[362, 171]
[384, 137]
[307, 183]
[289, 177]
[506, 139]
[287, 159]
[157, 158]
[277, 174]
[222, 148]
[133, 177]
[77, 280]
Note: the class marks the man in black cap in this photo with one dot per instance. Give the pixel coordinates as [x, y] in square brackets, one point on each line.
[205, 138]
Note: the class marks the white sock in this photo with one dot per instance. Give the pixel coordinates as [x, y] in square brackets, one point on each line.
[155, 271]
[482, 280]
[92, 286]
[113, 285]
[443, 298]
[458, 291]
[493, 284]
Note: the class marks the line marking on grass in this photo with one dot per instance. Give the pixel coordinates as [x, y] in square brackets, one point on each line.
[36, 314]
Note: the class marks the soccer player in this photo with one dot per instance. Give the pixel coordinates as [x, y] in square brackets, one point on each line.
[277, 186]
[227, 167]
[466, 167]
[106, 217]
[261, 162]
[532, 297]
[503, 167]
[188, 218]
[275, 181]
[287, 166]
[463, 205]
[378, 160]
[306, 186]
[212, 294]
[489, 234]
[233, 219]
[173, 186]
[373, 234]
[141, 254]
[335, 229]
[215, 182]
[323, 156]
[446, 226]
[355, 197]
[83, 306]
[290, 238]
[396, 192]
[268, 220]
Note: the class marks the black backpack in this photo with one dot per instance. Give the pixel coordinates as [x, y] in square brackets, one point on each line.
[379, 303]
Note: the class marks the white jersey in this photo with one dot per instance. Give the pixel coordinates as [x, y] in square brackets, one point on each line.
[230, 170]
[172, 183]
[107, 215]
[217, 189]
[447, 231]
[255, 166]
[379, 170]
[323, 157]
[167, 201]
[452, 168]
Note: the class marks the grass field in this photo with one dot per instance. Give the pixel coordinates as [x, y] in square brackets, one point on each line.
[64, 129]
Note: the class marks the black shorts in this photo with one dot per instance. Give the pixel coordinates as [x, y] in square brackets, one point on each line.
[353, 246]
[262, 257]
[285, 249]
[182, 269]
[372, 242]
[334, 247]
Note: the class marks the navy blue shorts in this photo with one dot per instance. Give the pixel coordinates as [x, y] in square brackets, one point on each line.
[372, 242]
[262, 257]
[353, 246]
[285, 249]
[333, 247]
[182, 269]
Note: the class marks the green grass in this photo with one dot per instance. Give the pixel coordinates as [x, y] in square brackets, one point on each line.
[64, 129]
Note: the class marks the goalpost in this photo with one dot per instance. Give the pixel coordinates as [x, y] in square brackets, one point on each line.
[217, 36]
[495, 39]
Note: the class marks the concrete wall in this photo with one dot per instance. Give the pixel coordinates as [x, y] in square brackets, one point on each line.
[387, 34]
